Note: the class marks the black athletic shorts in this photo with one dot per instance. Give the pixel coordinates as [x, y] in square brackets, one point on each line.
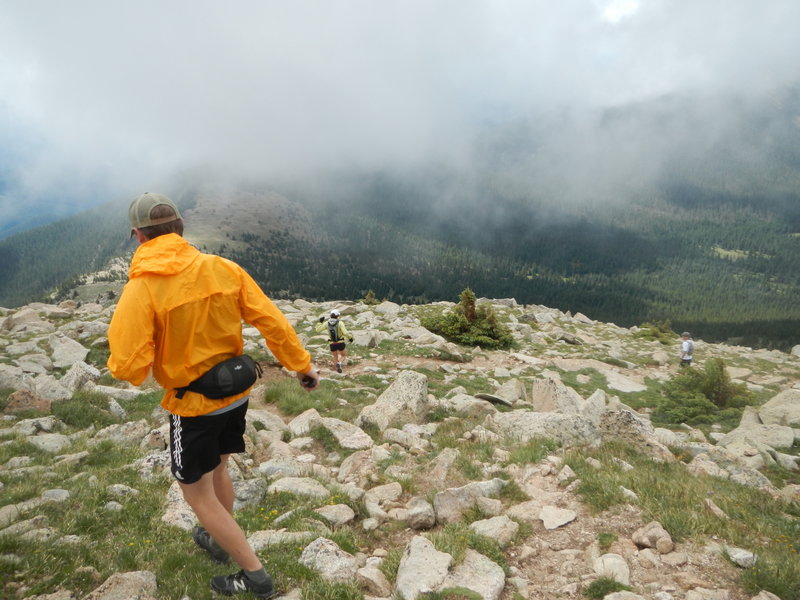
[196, 443]
[337, 346]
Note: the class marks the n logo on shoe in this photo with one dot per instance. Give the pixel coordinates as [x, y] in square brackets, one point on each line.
[239, 585]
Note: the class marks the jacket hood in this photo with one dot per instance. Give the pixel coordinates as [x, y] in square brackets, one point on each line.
[164, 255]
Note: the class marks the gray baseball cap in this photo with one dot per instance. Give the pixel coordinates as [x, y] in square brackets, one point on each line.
[142, 206]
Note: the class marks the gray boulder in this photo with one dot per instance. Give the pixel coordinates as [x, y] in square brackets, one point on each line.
[405, 401]
[479, 574]
[625, 424]
[66, 351]
[550, 395]
[774, 436]
[347, 435]
[422, 568]
[501, 529]
[78, 375]
[300, 486]
[523, 425]
[47, 386]
[331, 562]
[783, 409]
[451, 503]
[135, 585]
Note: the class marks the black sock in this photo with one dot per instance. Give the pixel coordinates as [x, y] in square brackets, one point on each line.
[259, 576]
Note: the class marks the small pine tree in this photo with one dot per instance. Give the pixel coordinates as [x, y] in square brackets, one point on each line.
[470, 325]
[467, 304]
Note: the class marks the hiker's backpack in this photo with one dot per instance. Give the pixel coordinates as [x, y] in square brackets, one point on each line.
[333, 329]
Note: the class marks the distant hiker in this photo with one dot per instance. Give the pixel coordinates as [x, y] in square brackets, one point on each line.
[180, 315]
[687, 348]
[337, 334]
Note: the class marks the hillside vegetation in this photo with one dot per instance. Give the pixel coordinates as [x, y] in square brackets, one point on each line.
[723, 272]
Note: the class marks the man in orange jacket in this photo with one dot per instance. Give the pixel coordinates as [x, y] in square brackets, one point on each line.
[180, 314]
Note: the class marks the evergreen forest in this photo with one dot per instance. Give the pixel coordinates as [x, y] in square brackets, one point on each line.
[724, 272]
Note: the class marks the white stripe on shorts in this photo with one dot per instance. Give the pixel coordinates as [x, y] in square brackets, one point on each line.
[177, 443]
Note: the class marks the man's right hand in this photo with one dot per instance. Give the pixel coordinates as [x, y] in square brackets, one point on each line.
[322, 319]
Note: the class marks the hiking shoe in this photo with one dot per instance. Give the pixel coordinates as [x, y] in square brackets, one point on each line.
[239, 583]
[202, 538]
[339, 367]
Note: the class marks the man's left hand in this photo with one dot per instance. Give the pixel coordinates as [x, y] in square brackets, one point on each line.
[309, 380]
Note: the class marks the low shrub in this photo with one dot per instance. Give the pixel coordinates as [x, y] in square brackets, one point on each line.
[471, 325]
[702, 396]
[659, 331]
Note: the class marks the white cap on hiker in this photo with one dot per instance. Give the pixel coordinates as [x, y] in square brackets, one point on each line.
[334, 313]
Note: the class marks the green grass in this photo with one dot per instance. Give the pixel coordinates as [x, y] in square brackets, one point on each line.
[98, 356]
[781, 477]
[647, 398]
[391, 564]
[456, 593]
[450, 431]
[532, 451]
[292, 400]
[472, 384]
[596, 381]
[456, 538]
[512, 492]
[326, 438]
[83, 410]
[134, 537]
[318, 589]
[19, 446]
[606, 539]
[468, 469]
[600, 588]
[4, 394]
[675, 498]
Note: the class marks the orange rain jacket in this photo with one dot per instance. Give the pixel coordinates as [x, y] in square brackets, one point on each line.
[181, 313]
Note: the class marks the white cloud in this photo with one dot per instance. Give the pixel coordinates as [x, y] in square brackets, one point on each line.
[134, 91]
[617, 10]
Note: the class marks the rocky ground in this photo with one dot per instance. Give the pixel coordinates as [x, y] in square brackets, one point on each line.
[550, 541]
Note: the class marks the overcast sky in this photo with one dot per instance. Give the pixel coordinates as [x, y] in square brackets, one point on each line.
[100, 99]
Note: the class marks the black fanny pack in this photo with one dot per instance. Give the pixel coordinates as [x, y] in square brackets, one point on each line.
[228, 378]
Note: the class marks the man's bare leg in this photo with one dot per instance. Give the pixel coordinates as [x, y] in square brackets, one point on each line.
[211, 499]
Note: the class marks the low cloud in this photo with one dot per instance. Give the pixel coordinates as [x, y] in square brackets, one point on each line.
[102, 99]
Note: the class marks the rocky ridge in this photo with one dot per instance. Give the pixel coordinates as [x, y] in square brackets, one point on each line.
[50, 352]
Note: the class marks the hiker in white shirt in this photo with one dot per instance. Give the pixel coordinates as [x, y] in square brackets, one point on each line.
[687, 348]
